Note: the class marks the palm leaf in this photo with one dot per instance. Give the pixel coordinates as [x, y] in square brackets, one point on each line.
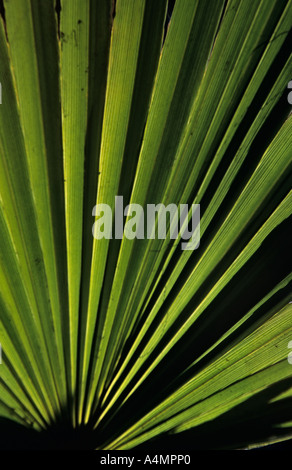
[130, 342]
